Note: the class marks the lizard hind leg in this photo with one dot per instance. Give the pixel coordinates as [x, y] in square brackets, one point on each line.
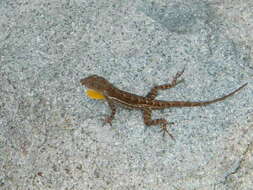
[154, 91]
[163, 122]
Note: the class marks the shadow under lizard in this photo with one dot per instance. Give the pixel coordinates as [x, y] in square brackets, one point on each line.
[115, 96]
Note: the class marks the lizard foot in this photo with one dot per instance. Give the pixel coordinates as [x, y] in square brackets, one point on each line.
[164, 129]
[107, 120]
[178, 75]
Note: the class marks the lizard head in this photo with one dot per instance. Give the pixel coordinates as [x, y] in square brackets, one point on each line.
[96, 83]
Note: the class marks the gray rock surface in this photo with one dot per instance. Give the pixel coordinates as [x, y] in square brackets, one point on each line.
[51, 134]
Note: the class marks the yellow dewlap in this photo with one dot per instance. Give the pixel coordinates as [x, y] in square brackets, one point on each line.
[94, 94]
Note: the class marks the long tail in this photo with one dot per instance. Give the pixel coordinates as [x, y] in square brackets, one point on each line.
[192, 104]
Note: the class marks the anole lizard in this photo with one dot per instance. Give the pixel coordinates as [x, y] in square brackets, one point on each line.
[103, 89]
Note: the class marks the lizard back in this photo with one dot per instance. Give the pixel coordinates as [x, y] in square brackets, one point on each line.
[136, 101]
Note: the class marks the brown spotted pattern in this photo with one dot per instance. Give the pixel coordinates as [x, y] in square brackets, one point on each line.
[115, 96]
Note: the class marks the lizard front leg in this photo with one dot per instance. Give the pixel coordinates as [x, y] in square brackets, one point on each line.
[154, 91]
[109, 118]
[163, 122]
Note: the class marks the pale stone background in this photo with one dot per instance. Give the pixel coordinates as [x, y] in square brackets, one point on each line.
[51, 134]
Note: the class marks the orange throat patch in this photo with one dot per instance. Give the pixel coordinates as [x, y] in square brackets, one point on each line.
[94, 94]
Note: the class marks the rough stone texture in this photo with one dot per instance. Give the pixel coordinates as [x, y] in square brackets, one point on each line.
[51, 134]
